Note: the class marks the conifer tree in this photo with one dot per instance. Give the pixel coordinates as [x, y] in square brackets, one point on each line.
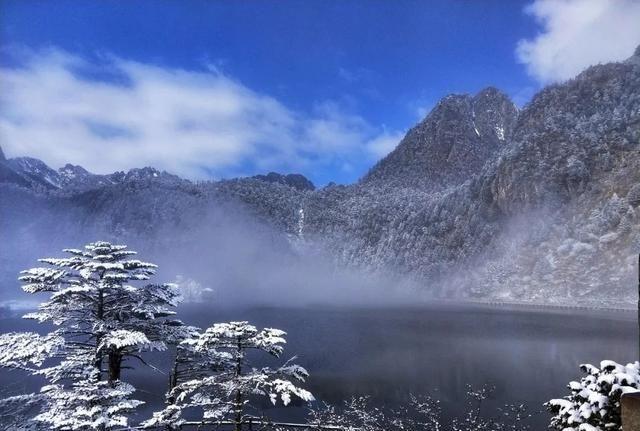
[213, 373]
[103, 319]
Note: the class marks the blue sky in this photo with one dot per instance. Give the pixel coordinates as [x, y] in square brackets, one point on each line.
[224, 88]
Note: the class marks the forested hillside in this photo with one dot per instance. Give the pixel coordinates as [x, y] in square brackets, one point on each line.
[479, 200]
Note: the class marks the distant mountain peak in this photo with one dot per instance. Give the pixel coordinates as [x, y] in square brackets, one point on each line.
[146, 173]
[36, 171]
[452, 143]
[494, 113]
[72, 171]
[2, 157]
[492, 96]
[490, 90]
[297, 181]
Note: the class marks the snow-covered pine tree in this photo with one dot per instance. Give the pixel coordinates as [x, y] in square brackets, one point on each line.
[213, 373]
[594, 402]
[103, 319]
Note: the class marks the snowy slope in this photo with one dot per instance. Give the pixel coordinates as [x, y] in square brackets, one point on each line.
[478, 200]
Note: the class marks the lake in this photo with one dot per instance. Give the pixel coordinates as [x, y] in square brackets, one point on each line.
[388, 353]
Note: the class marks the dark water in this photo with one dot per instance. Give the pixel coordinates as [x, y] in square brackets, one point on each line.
[529, 356]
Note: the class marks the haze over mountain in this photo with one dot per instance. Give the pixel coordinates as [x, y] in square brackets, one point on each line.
[479, 200]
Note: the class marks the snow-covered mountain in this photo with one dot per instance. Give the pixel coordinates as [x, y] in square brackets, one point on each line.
[451, 144]
[72, 178]
[478, 200]
[36, 172]
[297, 181]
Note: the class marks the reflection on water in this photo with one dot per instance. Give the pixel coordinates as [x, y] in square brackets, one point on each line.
[529, 356]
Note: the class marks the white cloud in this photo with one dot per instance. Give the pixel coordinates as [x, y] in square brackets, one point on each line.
[382, 144]
[422, 110]
[187, 122]
[579, 33]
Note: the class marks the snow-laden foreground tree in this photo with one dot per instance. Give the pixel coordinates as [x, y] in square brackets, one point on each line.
[213, 375]
[594, 402]
[102, 318]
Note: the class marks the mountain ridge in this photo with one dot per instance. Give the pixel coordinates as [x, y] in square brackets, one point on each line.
[545, 209]
[455, 139]
[34, 173]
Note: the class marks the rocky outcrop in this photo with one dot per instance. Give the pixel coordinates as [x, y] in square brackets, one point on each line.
[451, 144]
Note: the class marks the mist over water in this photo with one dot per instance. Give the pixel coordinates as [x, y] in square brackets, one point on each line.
[388, 353]
[221, 247]
[356, 332]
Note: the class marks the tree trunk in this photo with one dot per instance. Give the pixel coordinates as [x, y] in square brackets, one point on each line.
[98, 360]
[99, 316]
[238, 420]
[173, 380]
[238, 400]
[115, 365]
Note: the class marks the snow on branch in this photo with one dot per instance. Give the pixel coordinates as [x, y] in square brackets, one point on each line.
[20, 349]
[213, 373]
[594, 402]
[121, 338]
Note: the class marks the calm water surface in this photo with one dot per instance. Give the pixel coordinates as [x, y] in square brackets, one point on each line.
[529, 356]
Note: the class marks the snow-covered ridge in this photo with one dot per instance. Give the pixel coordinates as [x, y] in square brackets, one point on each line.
[75, 178]
[549, 214]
